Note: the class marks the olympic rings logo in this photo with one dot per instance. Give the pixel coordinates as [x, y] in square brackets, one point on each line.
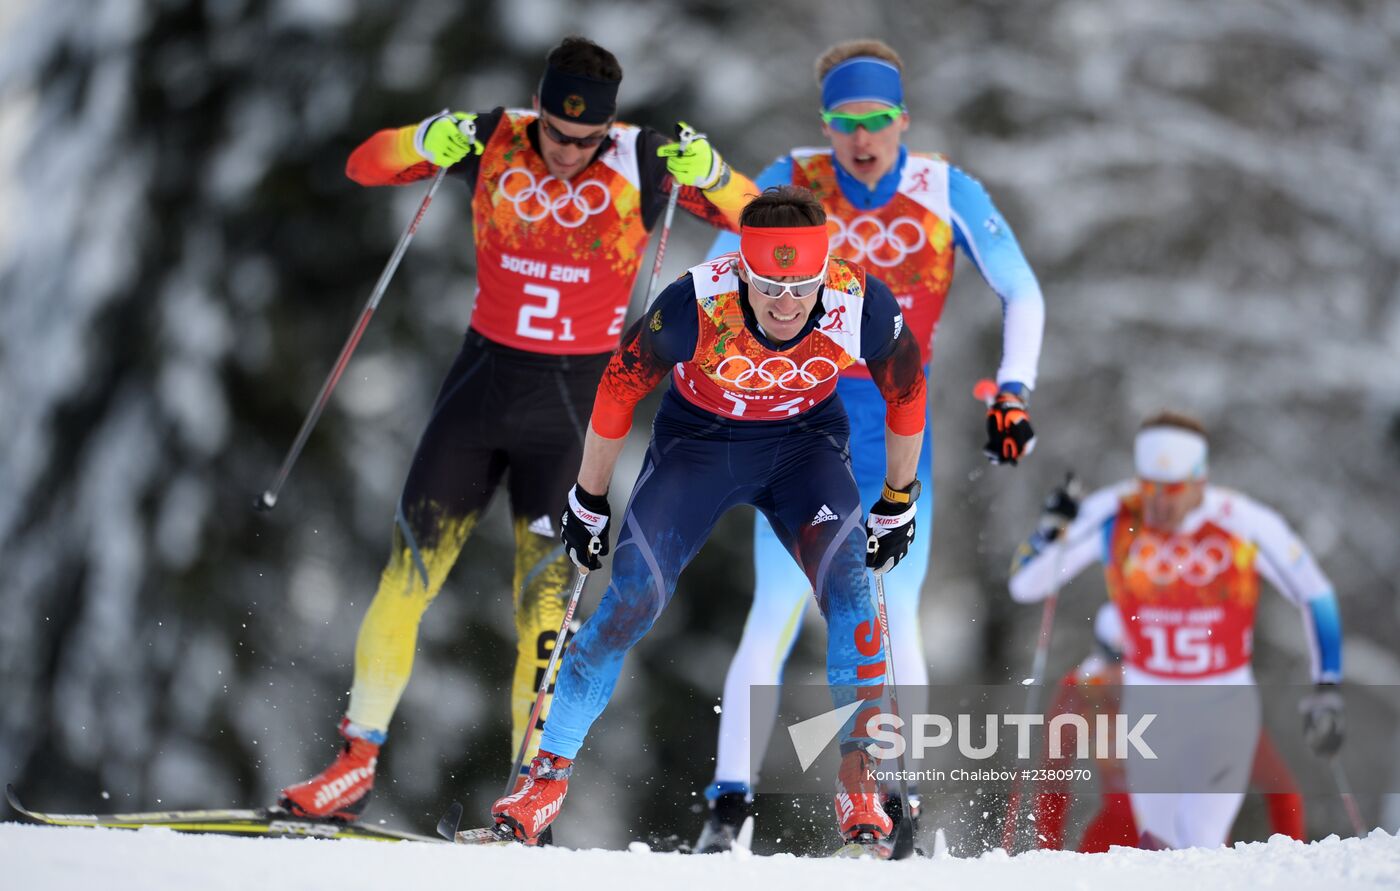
[872, 240]
[1195, 562]
[776, 371]
[569, 206]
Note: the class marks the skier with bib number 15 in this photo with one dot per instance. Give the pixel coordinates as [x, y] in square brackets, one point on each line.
[1182, 559]
[563, 199]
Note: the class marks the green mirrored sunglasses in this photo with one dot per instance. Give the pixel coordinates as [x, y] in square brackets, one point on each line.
[872, 121]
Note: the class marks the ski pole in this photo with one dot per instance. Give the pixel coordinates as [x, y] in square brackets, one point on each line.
[548, 675]
[686, 136]
[268, 499]
[906, 823]
[1339, 777]
[986, 391]
[1042, 650]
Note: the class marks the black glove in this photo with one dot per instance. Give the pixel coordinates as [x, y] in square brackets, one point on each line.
[1009, 434]
[1060, 508]
[1324, 720]
[891, 527]
[584, 528]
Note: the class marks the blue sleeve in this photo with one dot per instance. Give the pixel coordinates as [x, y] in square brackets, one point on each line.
[1107, 539]
[671, 326]
[1327, 626]
[776, 174]
[984, 236]
[1040, 540]
[880, 320]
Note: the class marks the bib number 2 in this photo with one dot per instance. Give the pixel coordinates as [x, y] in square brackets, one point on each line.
[540, 320]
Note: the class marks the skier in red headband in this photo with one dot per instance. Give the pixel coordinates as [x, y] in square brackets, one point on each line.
[754, 342]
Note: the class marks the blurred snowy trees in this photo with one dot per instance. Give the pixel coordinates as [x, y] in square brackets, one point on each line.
[1207, 192]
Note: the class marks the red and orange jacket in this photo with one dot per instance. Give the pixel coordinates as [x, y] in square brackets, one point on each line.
[556, 260]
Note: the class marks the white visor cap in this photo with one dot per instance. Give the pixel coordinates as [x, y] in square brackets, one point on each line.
[1170, 455]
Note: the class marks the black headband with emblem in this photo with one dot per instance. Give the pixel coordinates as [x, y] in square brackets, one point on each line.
[574, 97]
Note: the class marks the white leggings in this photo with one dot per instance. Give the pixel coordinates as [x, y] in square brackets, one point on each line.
[781, 594]
[1214, 749]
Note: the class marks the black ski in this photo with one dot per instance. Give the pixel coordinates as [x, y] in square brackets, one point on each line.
[273, 822]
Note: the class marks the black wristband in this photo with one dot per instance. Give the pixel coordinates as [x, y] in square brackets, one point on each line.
[596, 503]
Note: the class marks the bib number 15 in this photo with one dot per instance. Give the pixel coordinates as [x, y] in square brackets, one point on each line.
[1181, 650]
[539, 318]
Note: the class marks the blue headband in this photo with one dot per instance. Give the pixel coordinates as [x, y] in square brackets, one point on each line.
[862, 79]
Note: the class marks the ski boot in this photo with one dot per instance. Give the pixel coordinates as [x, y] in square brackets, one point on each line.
[728, 811]
[546, 837]
[528, 812]
[340, 792]
[861, 820]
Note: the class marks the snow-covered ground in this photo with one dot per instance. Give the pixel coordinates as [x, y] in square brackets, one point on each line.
[151, 860]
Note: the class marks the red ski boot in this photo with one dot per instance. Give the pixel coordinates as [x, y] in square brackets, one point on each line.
[860, 818]
[528, 812]
[341, 791]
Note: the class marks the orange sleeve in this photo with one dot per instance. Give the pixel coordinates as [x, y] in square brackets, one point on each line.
[900, 379]
[612, 417]
[720, 207]
[633, 372]
[908, 418]
[388, 158]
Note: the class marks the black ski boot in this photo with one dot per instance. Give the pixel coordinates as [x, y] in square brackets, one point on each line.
[727, 815]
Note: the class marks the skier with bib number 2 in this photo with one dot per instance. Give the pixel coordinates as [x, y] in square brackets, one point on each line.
[563, 199]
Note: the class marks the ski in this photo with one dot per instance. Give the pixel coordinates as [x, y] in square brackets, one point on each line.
[273, 822]
[485, 835]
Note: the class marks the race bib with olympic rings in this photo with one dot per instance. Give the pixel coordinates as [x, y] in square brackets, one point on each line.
[907, 243]
[556, 259]
[735, 375]
[1187, 600]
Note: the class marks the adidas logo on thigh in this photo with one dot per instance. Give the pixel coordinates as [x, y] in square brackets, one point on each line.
[825, 515]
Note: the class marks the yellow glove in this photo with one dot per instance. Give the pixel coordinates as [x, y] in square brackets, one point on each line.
[447, 137]
[695, 164]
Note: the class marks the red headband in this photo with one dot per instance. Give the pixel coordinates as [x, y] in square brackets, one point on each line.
[787, 251]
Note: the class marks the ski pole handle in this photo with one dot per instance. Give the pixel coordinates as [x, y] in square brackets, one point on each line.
[985, 391]
[467, 128]
[686, 136]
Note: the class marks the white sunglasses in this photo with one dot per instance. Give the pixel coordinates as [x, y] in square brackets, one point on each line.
[774, 289]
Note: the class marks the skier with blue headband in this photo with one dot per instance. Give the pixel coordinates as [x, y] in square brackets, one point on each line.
[902, 214]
